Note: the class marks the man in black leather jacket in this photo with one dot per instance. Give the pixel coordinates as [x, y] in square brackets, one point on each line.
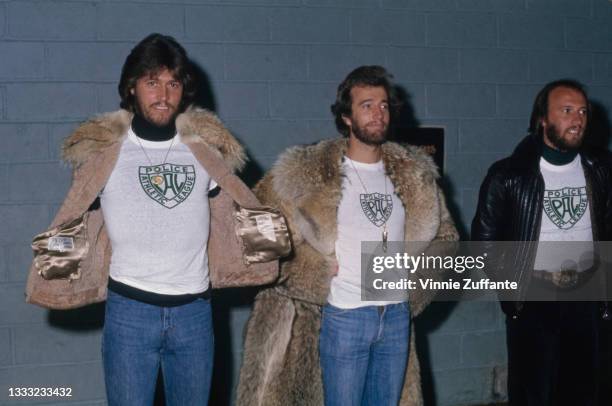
[552, 346]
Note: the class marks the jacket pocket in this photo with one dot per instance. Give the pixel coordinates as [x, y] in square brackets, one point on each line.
[58, 252]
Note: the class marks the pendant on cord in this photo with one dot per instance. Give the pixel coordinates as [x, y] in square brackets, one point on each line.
[384, 240]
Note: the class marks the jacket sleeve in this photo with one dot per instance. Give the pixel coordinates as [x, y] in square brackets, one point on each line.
[490, 221]
[608, 201]
[264, 190]
[447, 230]
[491, 214]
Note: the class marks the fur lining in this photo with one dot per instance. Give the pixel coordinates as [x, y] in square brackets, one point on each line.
[200, 125]
[308, 169]
[94, 135]
[310, 179]
[195, 125]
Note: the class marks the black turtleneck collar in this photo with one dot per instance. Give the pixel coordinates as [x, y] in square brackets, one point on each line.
[148, 131]
[556, 157]
[528, 152]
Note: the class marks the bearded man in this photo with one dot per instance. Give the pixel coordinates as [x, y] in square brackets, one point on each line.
[139, 224]
[312, 339]
[550, 189]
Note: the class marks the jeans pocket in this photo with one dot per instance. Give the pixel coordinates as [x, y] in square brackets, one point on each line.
[333, 310]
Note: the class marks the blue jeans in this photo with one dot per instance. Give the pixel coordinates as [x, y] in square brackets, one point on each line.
[364, 353]
[138, 338]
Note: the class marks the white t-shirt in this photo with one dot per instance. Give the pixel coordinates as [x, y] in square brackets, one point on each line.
[566, 217]
[361, 217]
[158, 232]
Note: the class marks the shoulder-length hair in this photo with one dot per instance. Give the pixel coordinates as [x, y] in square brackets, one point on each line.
[373, 76]
[151, 55]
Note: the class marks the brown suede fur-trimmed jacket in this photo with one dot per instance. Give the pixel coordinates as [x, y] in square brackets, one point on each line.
[281, 362]
[92, 150]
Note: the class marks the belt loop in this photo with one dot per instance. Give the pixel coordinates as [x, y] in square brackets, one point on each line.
[381, 309]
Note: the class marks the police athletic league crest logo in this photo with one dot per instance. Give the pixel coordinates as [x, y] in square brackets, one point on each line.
[167, 184]
[377, 207]
[565, 207]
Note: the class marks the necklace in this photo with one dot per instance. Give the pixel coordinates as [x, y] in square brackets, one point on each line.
[155, 179]
[385, 235]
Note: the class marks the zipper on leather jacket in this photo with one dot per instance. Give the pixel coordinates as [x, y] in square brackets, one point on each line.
[535, 236]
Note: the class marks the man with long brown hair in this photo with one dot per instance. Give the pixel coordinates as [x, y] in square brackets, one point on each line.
[313, 338]
[148, 165]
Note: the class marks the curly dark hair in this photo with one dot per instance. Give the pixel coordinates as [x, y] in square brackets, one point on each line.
[540, 105]
[372, 76]
[154, 53]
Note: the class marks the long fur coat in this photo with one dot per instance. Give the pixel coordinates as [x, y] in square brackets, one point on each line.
[281, 357]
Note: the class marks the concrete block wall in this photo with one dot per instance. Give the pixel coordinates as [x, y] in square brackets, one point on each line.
[471, 66]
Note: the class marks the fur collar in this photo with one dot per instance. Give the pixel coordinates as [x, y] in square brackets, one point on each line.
[195, 125]
[310, 168]
[310, 178]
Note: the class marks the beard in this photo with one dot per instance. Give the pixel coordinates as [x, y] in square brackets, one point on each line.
[561, 143]
[370, 137]
[148, 113]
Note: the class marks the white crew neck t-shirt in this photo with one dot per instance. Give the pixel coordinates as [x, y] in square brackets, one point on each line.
[158, 230]
[566, 217]
[361, 217]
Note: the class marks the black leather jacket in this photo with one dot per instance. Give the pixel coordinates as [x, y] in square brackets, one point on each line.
[510, 207]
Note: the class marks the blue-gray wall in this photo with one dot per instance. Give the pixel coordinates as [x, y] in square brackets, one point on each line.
[471, 66]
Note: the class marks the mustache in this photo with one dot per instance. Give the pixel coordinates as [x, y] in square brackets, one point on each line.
[163, 104]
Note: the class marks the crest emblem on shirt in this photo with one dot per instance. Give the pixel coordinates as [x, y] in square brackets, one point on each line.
[565, 207]
[167, 184]
[377, 207]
